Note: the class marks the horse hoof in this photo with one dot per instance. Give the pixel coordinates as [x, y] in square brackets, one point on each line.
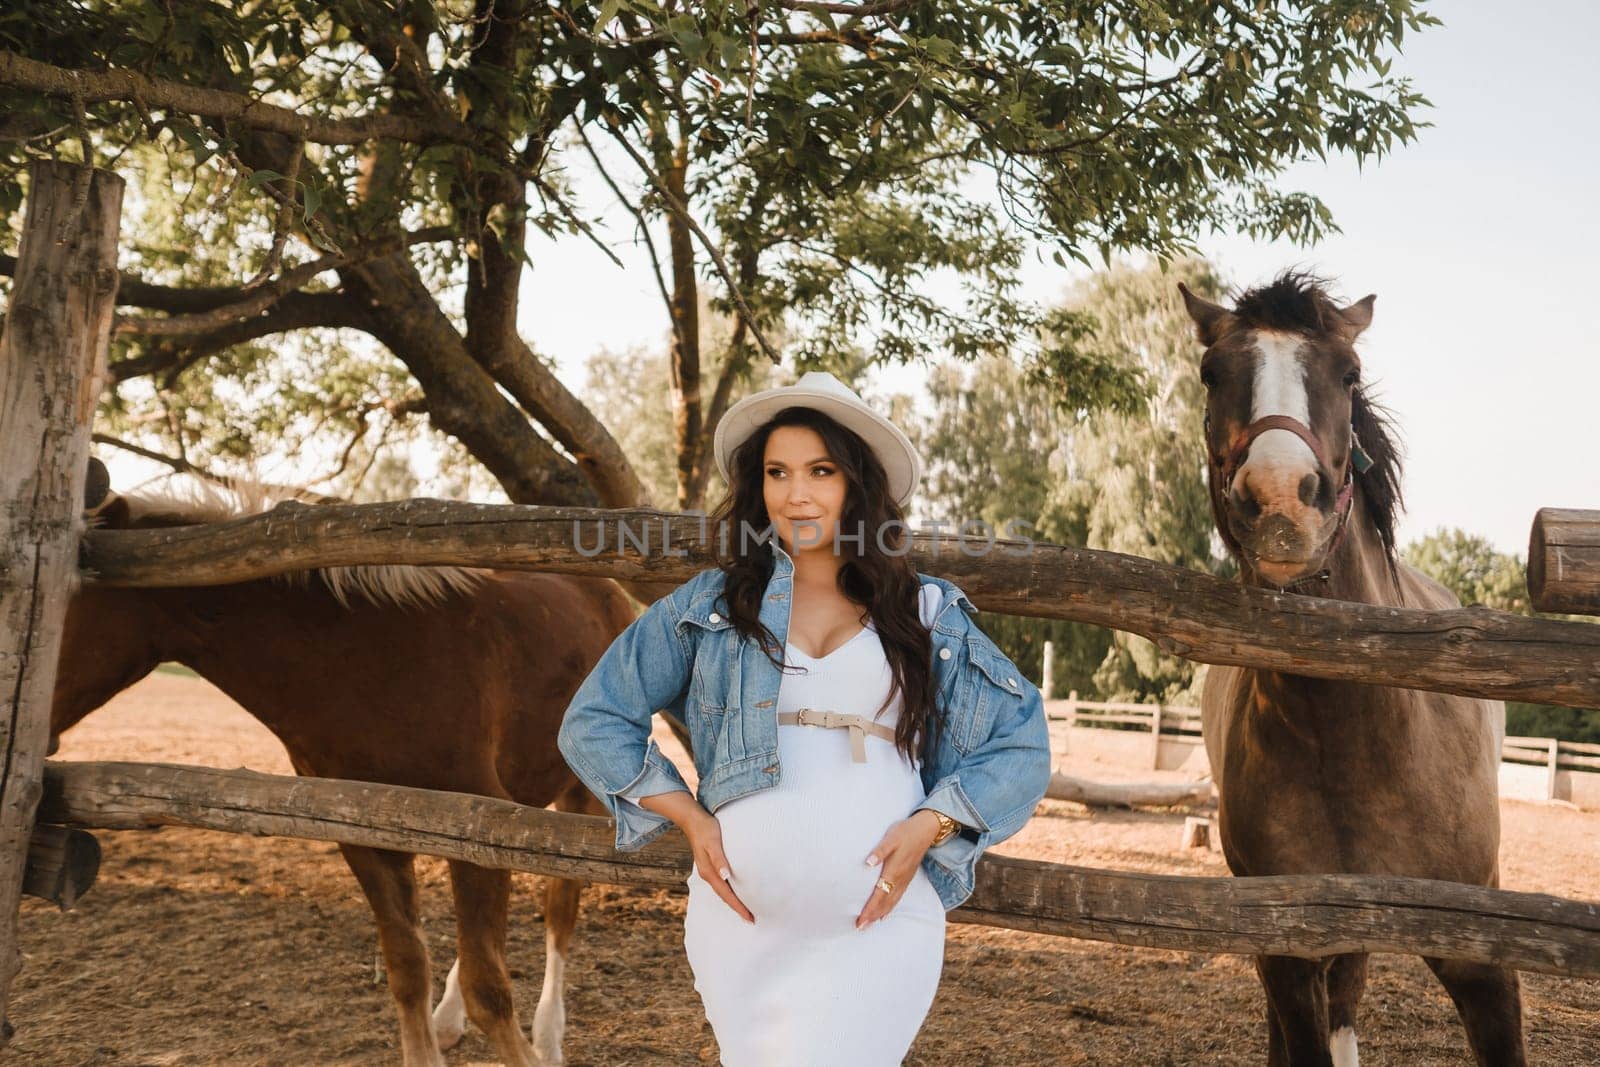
[547, 1041]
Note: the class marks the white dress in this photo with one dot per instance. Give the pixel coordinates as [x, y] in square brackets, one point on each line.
[803, 987]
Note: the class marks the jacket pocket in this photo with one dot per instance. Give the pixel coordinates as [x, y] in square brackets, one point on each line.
[714, 682]
[993, 689]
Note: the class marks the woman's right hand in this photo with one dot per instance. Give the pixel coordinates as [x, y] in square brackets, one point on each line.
[705, 842]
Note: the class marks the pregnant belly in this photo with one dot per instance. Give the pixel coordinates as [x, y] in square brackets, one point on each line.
[798, 850]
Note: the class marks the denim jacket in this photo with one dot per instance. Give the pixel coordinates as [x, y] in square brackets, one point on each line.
[987, 771]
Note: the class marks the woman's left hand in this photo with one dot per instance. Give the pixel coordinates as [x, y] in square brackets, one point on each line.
[897, 857]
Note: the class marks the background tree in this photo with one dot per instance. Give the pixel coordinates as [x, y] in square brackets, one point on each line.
[1128, 476]
[1471, 568]
[1139, 478]
[306, 167]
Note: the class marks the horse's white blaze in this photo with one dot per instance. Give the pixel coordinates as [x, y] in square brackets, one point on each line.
[450, 1017]
[1280, 389]
[1342, 1047]
[550, 1017]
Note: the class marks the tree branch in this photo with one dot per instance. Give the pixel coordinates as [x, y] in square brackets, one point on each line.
[177, 463]
[176, 299]
[879, 7]
[292, 311]
[682, 209]
[638, 216]
[255, 301]
[99, 86]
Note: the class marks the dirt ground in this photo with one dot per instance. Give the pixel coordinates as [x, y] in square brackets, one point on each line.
[209, 948]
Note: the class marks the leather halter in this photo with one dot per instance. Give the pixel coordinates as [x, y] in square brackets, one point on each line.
[1239, 448]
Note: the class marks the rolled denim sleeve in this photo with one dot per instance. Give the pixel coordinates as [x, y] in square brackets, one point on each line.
[605, 734]
[994, 789]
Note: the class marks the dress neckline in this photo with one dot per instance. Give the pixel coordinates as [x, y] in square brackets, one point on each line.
[818, 659]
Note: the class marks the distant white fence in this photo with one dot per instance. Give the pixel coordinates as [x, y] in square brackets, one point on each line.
[1542, 768]
[1167, 738]
[1155, 736]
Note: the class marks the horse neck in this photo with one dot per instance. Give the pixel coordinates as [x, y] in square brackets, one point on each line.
[1359, 572]
[1359, 569]
[219, 631]
[112, 639]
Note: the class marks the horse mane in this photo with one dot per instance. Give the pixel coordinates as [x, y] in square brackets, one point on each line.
[1299, 302]
[196, 502]
[1380, 485]
[1294, 301]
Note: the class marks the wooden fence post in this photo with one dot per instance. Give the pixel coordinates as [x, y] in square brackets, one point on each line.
[52, 363]
[1555, 769]
[1156, 714]
[1047, 679]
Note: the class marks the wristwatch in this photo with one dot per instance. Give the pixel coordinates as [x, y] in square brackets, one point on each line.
[947, 827]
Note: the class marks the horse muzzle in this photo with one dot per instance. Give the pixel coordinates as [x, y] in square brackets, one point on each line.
[1281, 550]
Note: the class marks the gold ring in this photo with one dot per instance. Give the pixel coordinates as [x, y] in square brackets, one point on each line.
[886, 885]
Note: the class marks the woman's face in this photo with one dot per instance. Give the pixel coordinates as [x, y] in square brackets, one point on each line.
[804, 489]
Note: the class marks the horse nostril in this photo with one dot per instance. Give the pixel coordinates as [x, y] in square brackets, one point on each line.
[1310, 486]
[1244, 503]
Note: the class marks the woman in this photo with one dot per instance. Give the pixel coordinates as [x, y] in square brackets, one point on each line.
[859, 741]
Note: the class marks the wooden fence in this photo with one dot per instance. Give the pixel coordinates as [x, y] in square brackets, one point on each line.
[1169, 737]
[50, 360]
[1542, 768]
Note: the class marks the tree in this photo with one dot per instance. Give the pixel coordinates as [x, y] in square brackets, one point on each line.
[629, 391]
[1139, 478]
[1129, 477]
[306, 166]
[1471, 568]
[994, 446]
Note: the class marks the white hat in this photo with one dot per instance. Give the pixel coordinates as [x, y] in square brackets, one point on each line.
[823, 392]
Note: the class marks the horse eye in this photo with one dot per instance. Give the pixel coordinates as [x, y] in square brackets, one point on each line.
[1208, 378]
[1351, 379]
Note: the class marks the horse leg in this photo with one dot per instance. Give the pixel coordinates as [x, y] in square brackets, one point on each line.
[483, 981]
[1277, 1051]
[1347, 980]
[560, 918]
[1489, 1001]
[1297, 992]
[450, 1014]
[390, 884]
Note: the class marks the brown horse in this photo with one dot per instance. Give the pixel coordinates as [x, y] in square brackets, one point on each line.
[1318, 776]
[439, 678]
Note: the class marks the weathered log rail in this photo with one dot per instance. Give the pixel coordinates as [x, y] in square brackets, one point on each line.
[1564, 561]
[1298, 916]
[1470, 651]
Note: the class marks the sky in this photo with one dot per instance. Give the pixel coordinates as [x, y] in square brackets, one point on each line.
[1479, 239]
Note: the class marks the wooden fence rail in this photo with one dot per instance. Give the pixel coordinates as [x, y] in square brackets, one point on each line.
[1470, 651]
[1178, 723]
[1302, 916]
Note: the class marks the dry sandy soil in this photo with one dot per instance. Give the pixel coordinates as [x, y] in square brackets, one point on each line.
[209, 948]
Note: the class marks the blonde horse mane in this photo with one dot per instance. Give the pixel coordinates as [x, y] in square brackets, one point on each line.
[193, 501]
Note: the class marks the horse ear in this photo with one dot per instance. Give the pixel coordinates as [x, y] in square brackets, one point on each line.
[1357, 316]
[1211, 320]
[102, 507]
[98, 485]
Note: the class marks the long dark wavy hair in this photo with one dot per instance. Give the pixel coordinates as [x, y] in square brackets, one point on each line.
[884, 584]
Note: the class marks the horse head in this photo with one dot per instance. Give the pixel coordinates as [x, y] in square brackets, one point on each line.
[1288, 430]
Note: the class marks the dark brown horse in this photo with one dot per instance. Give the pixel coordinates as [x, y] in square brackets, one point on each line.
[438, 678]
[1318, 776]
